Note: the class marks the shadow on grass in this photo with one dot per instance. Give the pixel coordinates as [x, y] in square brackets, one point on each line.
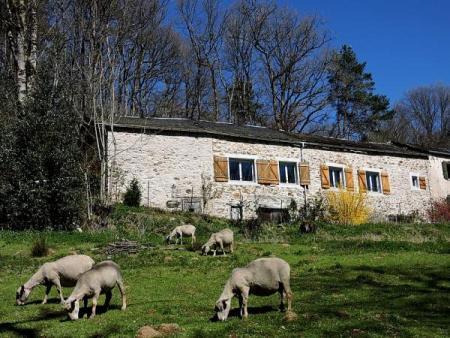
[251, 311]
[363, 300]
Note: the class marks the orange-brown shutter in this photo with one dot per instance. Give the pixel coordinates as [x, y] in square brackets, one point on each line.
[303, 169]
[362, 181]
[267, 172]
[385, 183]
[422, 182]
[325, 176]
[350, 185]
[220, 169]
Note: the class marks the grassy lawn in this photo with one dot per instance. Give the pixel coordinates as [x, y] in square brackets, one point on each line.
[372, 280]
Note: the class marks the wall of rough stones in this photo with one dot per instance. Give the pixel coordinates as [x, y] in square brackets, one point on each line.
[177, 168]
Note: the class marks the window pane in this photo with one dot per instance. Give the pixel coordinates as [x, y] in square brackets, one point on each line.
[234, 170]
[291, 173]
[283, 178]
[415, 181]
[247, 170]
[336, 177]
[373, 181]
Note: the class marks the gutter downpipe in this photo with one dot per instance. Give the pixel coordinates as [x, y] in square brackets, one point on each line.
[302, 146]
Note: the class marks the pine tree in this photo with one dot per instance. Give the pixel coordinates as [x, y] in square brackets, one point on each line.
[243, 105]
[358, 109]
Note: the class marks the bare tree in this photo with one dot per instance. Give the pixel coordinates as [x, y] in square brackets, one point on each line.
[427, 111]
[19, 18]
[204, 25]
[293, 62]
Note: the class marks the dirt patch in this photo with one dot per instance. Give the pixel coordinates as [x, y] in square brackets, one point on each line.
[148, 332]
[162, 330]
[290, 316]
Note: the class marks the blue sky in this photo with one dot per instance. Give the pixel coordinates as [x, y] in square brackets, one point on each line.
[406, 43]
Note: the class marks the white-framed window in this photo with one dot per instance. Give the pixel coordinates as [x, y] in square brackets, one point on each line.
[288, 172]
[414, 179]
[373, 181]
[242, 169]
[336, 176]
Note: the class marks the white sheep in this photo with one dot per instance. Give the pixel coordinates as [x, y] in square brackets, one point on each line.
[187, 230]
[62, 272]
[221, 239]
[262, 277]
[102, 278]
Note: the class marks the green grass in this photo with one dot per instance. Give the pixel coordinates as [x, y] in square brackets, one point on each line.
[371, 280]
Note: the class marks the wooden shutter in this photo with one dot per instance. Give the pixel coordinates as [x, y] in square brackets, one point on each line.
[385, 183]
[350, 185]
[422, 182]
[325, 176]
[303, 169]
[362, 181]
[267, 172]
[220, 169]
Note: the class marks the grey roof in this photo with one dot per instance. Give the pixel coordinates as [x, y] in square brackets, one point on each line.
[257, 134]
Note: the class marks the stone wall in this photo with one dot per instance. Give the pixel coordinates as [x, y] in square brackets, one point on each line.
[176, 168]
[439, 186]
[168, 168]
[402, 200]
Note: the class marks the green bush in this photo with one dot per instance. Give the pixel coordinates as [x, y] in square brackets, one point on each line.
[132, 197]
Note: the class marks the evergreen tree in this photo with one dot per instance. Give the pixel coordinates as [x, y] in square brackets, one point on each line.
[243, 103]
[41, 181]
[358, 109]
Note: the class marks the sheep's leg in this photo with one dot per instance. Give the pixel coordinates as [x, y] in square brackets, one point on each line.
[288, 293]
[241, 306]
[122, 293]
[94, 304]
[181, 238]
[108, 295]
[85, 303]
[282, 299]
[193, 239]
[47, 291]
[59, 288]
[245, 292]
[231, 248]
[221, 247]
[214, 253]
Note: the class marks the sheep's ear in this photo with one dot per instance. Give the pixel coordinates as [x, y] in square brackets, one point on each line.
[224, 304]
[22, 289]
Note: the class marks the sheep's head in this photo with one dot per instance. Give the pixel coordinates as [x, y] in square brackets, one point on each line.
[72, 307]
[168, 239]
[205, 249]
[222, 309]
[22, 294]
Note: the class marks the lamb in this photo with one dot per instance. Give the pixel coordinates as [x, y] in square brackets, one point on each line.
[62, 272]
[221, 239]
[261, 277]
[180, 231]
[102, 278]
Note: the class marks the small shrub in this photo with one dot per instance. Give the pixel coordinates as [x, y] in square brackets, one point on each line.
[439, 211]
[39, 248]
[132, 197]
[349, 208]
[311, 214]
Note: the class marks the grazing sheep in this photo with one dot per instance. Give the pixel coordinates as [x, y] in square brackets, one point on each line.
[262, 277]
[102, 278]
[221, 239]
[62, 272]
[187, 230]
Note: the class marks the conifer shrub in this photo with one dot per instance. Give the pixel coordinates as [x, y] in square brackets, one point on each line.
[132, 197]
[346, 207]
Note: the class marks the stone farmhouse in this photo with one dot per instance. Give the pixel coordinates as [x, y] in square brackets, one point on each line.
[245, 171]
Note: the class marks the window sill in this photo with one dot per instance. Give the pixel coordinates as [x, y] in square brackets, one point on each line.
[242, 182]
[289, 185]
